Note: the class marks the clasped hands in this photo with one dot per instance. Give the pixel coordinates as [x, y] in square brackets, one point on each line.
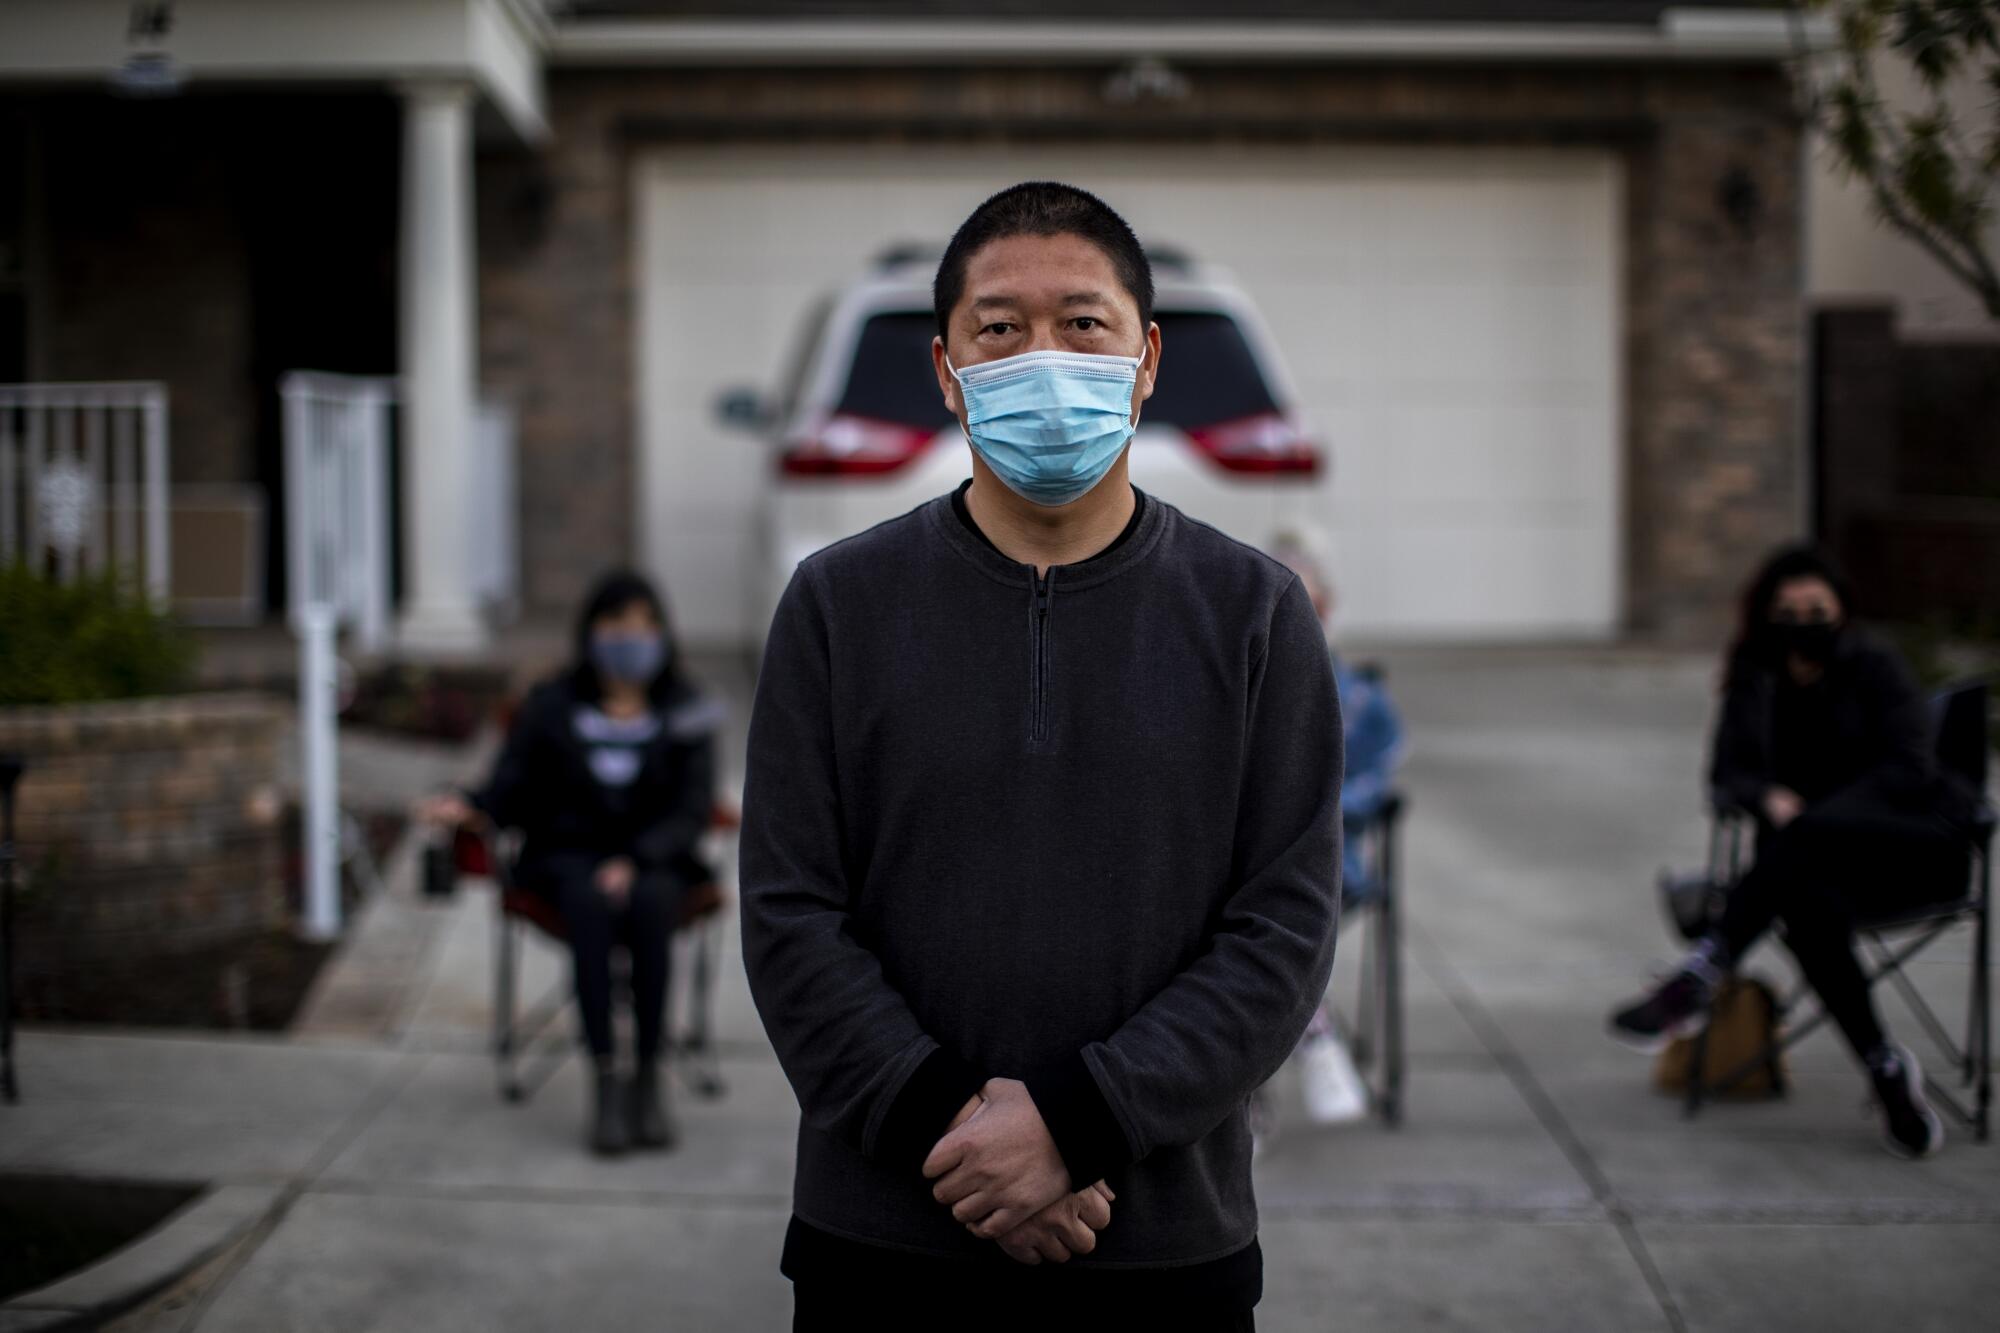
[999, 1171]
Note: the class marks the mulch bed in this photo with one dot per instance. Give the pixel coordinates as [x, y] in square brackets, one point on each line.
[442, 703]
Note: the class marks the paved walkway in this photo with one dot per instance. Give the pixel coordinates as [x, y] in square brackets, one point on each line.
[1538, 1183]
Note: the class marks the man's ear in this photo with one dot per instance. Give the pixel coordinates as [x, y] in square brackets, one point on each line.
[1149, 369]
[947, 382]
[1149, 365]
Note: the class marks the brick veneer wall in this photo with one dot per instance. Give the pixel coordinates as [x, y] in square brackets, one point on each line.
[1713, 336]
[147, 270]
[145, 827]
[1908, 457]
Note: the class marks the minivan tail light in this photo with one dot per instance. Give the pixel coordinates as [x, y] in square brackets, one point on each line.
[1267, 442]
[849, 445]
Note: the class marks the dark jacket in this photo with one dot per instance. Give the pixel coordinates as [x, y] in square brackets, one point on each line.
[1082, 831]
[1881, 737]
[542, 785]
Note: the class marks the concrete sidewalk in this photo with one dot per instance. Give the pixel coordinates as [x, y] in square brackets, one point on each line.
[1537, 1184]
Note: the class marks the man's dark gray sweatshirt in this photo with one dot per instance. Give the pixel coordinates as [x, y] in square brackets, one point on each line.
[1080, 830]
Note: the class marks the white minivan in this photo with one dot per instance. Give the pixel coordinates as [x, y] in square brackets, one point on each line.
[860, 432]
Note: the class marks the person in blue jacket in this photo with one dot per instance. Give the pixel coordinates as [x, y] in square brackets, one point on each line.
[1373, 734]
[1370, 724]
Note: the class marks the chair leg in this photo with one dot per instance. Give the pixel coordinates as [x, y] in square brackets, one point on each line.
[1362, 1045]
[505, 991]
[1980, 1039]
[702, 1068]
[1697, 1074]
[1391, 927]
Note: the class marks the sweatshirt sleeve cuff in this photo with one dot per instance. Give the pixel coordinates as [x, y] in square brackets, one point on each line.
[1087, 1134]
[930, 1097]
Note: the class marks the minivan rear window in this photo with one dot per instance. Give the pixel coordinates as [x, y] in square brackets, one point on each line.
[1208, 373]
[1212, 375]
[891, 378]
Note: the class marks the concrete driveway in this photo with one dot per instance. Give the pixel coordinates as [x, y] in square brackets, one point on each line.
[1537, 1184]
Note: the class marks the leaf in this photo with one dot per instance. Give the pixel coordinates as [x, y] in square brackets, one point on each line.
[1851, 130]
[1923, 40]
[1928, 178]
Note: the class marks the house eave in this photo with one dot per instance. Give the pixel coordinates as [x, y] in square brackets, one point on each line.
[1710, 36]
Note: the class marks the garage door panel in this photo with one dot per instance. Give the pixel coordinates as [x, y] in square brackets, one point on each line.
[1449, 317]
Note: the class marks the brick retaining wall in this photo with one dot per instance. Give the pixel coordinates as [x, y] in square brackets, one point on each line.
[145, 827]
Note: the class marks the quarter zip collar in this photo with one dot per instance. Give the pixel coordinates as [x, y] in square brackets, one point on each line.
[1019, 573]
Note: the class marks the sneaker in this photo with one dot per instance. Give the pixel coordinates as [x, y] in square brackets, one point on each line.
[1678, 1008]
[1334, 1092]
[1910, 1128]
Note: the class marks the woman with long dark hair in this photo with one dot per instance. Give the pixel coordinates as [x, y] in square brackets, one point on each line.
[1825, 741]
[609, 772]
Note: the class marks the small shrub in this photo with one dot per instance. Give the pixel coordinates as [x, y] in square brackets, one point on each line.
[95, 638]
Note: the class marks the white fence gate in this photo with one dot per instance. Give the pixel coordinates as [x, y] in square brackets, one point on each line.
[338, 528]
[83, 480]
[339, 519]
[337, 511]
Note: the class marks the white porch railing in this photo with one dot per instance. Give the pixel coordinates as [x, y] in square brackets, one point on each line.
[83, 480]
[339, 521]
[337, 512]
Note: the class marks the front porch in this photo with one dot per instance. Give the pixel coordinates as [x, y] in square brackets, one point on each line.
[294, 204]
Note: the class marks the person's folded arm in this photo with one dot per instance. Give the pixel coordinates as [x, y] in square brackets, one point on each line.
[1900, 759]
[1217, 1031]
[503, 796]
[678, 826]
[1739, 769]
[861, 1065]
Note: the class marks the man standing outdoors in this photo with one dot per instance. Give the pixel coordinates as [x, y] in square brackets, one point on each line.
[1041, 840]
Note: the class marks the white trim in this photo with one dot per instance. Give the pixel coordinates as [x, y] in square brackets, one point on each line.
[1725, 35]
[495, 44]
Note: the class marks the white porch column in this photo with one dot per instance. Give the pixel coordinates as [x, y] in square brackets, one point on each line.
[438, 298]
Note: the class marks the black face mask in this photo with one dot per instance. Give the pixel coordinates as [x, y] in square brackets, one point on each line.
[1813, 641]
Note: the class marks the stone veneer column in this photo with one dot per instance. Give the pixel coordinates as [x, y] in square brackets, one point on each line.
[1716, 349]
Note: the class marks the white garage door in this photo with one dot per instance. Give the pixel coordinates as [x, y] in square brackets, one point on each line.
[1450, 318]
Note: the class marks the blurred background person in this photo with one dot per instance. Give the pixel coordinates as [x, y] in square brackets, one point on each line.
[1373, 733]
[608, 771]
[1824, 739]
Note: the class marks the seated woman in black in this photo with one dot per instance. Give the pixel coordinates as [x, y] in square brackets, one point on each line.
[609, 773]
[1824, 739]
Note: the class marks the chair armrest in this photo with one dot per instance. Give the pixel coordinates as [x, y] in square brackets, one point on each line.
[1722, 805]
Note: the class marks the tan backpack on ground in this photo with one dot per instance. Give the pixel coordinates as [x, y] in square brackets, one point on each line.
[1742, 1022]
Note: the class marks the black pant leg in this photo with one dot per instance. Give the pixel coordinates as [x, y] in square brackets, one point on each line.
[1852, 857]
[823, 1306]
[587, 915]
[647, 928]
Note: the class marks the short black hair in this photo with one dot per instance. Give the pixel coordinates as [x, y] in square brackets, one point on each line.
[1044, 208]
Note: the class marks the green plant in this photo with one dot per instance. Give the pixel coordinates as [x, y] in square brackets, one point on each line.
[94, 638]
[1930, 176]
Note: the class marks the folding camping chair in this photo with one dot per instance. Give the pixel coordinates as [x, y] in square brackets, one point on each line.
[1959, 715]
[1375, 1036]
[518, 910]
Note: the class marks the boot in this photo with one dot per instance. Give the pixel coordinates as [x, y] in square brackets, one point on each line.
[652, 1121]
[609, 1135]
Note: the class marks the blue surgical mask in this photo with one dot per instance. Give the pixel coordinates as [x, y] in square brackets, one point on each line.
[1049, 424]
[635, 659]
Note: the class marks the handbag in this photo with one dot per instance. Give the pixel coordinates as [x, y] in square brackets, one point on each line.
[1742, 1023]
